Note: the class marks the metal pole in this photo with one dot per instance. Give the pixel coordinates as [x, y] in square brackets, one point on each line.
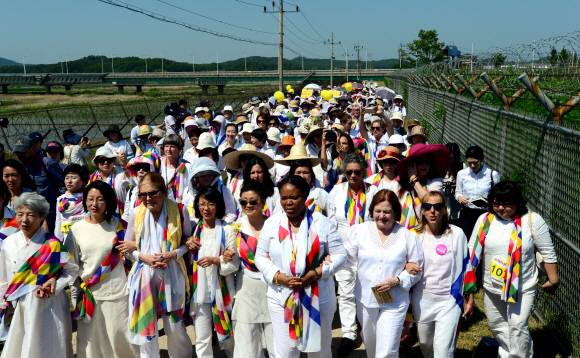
[367, 65]
[347, 64]
[331, 57]
[192, 62]
[102, 65]
[66, 59]
[302, 61]
[162, 53]
[281, 49]
[112, 61]
[217, 65]
[533, 55]
[471, 58]
[61, 66]
[245, 67]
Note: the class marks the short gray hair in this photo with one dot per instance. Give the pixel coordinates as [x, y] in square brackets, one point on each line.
[173, 139]
[354, 158]
[33, 201]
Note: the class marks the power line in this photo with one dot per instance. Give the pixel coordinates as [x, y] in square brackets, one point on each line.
[249, 3]
[216, 20]
[298, 39]
[319, 42]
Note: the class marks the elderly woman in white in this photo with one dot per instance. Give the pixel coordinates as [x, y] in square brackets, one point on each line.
[41, 325]
[291, 246]
[380, 250]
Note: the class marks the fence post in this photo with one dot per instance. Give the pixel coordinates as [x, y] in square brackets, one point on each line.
[146, 105]
[53, 125]
[466, 85]
[123, 108]
[95, 118]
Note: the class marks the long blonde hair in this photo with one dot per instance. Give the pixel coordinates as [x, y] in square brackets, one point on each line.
[445, 224]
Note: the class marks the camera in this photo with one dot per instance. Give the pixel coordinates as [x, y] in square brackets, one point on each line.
[331, 136]
[448, 188]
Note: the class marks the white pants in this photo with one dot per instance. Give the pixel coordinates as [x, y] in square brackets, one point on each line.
[381, 328]
[204, 325]
[254, 338]
[346, 278]
[509, 323]
[281, 330]
[438, 338]
[178, 342]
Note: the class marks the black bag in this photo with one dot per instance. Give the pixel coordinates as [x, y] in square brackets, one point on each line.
[8, 315]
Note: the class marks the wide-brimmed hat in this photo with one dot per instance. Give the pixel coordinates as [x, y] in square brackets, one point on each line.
[333, 101]
[310, 135]
[205, 141]
[412, 123]
[104, 152]
[247, 128]
[397, 115]
[417, 130]
[438, 153]
[157, 133]
[144, 130]
[340, 127]
[232, 159]
[70, 136]
[307, 102]
[287, 141]
[241, 118]
[293, 104]
[113, 128]
[274, 135]
[298, 152]
[247, 108]
[389, 152]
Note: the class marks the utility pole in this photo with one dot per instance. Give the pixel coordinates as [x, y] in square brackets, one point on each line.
[162, 54]
[245, 67]
[24, 65]
[281, 48]
[62, 68]
[358, 48]
[471, 58]
[533, 54]
[401, 55]
[66, 59]
[192, 62]
[102, 65]
[302, 61]
[367, 65]
[112, 63]
[145, 63]
[331, 42]
[347, 64]
[217, 65]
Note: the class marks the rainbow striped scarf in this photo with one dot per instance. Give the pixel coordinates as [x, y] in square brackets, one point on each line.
[175, 182]
[221, 300]
[509, 291]
[235, 181]
[111, 181]
[361, 147]
[378, 178]
[71, 204]
[354, 208]
[312, 206]
[9, 227]
[41, 266]
[301, 307]
[411, 206]
[85, 306]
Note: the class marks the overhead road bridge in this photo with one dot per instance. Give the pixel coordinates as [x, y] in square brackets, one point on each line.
[202, 79]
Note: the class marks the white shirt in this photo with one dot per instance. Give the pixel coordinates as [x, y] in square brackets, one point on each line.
[225, 145]
[121, 147]
[472, 186]
[392, 186]
[497, 244]
[436, 280]
[375, 261]
[190, 155]
[169, 122]
[322, 200]
[338, 196]
[78, 155]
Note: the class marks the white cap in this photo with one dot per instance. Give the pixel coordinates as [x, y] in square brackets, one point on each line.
[228, 108]
[397, 115]
[190, 123]
[263, 105]
[206, 109]
[205, 141]
[247, 128]
[398, 97]
[198, 109]
[396, 139]
[274, 134]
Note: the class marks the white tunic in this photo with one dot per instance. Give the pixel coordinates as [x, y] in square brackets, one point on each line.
[338, 196]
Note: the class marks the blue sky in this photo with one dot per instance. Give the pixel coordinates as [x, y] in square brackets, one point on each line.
[45, 30]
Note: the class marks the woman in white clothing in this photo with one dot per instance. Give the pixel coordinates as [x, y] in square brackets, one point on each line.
[251, 317]
[69, 206]
[290, 249]
[158, 231]
[381, 130]
[174, 170]
[318, 199]
[8, 224]
[102, 305]
[137, 167]
[40, 324]
[75, 147]
[210, 276]
[257, 169]
[505, 239]
[437, 299]
[379, 250]
[231, 138]
[352, 200]
[238, 161]
[387, 159]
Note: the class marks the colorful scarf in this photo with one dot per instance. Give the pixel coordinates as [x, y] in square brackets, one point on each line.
[235, 181]
[314, 147]
[9, 227]
[85, 306]
[221, 300]
[313, 206]
[361, 147]
[41, 266]
[111, 181]
[378, 178]
[71, 204]
[261, 146]
[509, 291]
[247, 249]
[301, 307]
[265, 209]
[175, 182]
[411, 206]
[354, 208]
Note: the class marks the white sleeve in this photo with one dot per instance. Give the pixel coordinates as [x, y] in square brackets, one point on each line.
[542, 239]
[262, 260]
[351, 246]
[336, 250]
[58, 224]
[128, 149]
[414, 255]
[436, 184]
[3, 274]
[84, 153]
[459, 184]
[228, 268]
[231, 208]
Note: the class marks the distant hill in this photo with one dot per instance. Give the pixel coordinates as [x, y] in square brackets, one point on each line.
[96, 64]
[7, 62]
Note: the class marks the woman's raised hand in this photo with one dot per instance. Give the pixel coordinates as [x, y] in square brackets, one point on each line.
[412, 169]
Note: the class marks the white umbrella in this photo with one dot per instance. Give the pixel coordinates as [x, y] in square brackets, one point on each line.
[313, 86]
[385, 93]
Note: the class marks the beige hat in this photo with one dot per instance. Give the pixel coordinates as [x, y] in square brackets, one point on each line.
[246, 108]
[416, 130]
[247, 128]
[333, 101]
[274, 134]
[310, 137]
[144, 130]
[397, 115]
[232, 159]
[293, 104]
[298, 152]
[412, 123]
[241, 118]
[205, 141]
[340, 127]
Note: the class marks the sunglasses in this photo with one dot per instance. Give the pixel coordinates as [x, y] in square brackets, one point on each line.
[351, 172]
[390, 161]
[376, 128]
[427, 207]
[260, 122]
[143, 167]
[103, 160]
[398, 145]
[151, 194]
[272, 124]
[251, 202]
[505, 205]
[423, 161]
[244, 158]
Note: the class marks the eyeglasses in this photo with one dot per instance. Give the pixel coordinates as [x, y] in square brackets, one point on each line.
[151, 194]
[376, 128]
[103, 160]
[244, 158]
[251, 202]
[348, 123]
[423, 161]
[208, 205]
[351, 172]
[272, 124]
[505, 205]
[143, 167]
[427, 207]
[262, 121]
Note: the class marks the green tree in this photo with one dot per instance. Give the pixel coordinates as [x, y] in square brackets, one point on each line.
[427, 48]
[564, 55]
[498, 59]
[553, 56]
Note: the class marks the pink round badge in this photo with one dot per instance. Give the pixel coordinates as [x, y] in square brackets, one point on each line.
[441, 249]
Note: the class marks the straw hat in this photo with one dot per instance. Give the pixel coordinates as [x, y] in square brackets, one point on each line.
[247, 128]
[205, 141]
[412, 123]
[232, 160]
[144, 130]
[246, 108]
[287, 141]
[241, 118]
[417, 130]
[310, 136]
[397, 115]
[438, 152]
[293, 104]
[274, 134]
[157, 134]
[298, 152]
[333, 101]
[340, 127]
[389, 152]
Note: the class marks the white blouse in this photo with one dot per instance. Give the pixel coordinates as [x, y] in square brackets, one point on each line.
[472, 186]
[392, 186]
[338, 196]
[497, 243]
[268, 257]
[376, 261]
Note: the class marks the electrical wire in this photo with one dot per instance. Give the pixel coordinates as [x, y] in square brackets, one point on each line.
[260, 6]
[288, 38]
[317, 41]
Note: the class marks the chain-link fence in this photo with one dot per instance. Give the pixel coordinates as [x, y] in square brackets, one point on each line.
[96, 118]
[542, 157]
